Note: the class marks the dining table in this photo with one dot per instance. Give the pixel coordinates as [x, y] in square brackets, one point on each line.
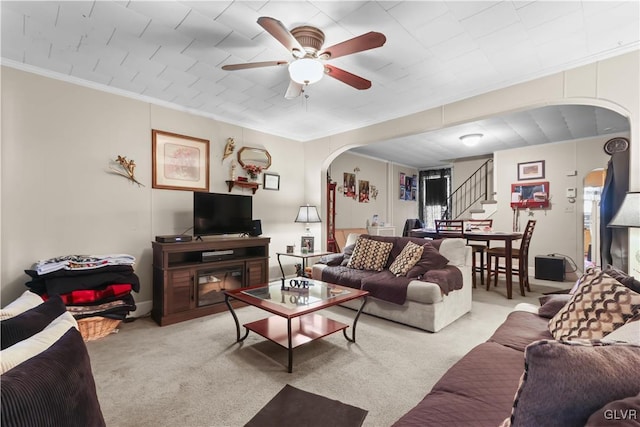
[508, 237]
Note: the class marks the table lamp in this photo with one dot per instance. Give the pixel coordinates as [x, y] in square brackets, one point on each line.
[307, 214]
[629, 213]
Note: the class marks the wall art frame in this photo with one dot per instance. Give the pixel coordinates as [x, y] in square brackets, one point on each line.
[531, 170]
[271, 181]
[179, 162]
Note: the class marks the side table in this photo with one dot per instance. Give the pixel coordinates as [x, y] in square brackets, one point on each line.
[304, 257]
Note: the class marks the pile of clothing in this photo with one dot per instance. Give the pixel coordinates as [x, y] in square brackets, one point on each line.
[89, 285]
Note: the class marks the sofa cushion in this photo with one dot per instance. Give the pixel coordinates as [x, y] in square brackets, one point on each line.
[36, 344]
[599, 306]
[63, 393]
[622, 277]
[430, 259]
[619, 413]
[346, 254]
[629, 333]
[478, 390]
[370, 254]
[344, 276]
[387, 286]
[521, 329]
[30, 322]
[410, 255]
[331, 259]
[550, 305]
[592, 375]
[21, 304]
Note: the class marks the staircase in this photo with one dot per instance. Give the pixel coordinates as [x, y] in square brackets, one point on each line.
[474, 197]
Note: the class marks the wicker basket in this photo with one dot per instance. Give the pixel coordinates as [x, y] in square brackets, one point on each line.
[93, 328]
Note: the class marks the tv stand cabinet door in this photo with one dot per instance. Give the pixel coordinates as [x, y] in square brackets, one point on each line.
[256, 272]
[180, 295]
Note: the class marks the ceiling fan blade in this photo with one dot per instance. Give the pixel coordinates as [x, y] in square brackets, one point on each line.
[347, 77]
[294, 90]
[232, 67]
[282, 34]
[370, 40]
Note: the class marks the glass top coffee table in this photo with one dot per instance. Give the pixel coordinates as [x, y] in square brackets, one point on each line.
[295, 320]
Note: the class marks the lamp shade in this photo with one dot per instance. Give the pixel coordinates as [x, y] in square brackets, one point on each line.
[308, 214]
[629, 213]
[306, 71]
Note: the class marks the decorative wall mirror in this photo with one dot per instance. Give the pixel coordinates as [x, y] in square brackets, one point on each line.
[254, 156]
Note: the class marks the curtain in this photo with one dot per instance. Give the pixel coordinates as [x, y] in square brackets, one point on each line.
[435, 189]
[614, 242]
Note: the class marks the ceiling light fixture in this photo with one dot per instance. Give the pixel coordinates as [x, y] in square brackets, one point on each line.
[306, 71]
[472, 139]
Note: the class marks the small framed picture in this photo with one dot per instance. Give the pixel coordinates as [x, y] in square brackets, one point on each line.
[271, 181]
[306, 244]
[531, 170]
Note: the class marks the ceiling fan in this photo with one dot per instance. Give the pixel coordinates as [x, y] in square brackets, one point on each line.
[307, 66]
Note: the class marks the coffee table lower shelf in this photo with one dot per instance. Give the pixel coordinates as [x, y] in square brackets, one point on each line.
[304, 329]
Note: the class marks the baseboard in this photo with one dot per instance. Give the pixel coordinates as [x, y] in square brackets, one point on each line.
[143, 308]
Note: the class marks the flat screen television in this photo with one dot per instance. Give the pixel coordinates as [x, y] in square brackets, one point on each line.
[216, 213]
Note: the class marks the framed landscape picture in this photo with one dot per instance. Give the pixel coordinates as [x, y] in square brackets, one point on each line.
[531, 170]
[179, 162]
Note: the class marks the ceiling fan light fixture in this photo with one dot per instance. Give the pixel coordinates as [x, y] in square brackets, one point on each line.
[471, 139]
[306, 71]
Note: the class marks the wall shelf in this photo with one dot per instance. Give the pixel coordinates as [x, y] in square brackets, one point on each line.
[244, 184]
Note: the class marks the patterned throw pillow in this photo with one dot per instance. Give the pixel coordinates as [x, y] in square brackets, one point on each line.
[599, 306]
[369, 254]
[410, 255]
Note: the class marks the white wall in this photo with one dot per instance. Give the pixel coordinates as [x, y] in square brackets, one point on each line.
[559, 229]
[351, 213]
[402, 210]
[385, 176]
[58, 197]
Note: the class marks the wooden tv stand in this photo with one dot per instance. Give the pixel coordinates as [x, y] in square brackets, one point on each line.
[187, 284]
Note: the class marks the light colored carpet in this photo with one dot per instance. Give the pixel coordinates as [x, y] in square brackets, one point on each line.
[194, 374]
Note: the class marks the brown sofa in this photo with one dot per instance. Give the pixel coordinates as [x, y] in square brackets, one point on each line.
[521, 376]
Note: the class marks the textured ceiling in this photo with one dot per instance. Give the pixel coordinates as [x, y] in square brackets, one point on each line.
[436, 52]
[532, 127]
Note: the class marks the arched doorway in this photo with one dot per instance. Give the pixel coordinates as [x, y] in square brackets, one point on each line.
[592, 188]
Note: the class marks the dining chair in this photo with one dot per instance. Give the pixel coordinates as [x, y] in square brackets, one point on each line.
[449, 228]
[478, 248]
[411, 224]
[521, 254]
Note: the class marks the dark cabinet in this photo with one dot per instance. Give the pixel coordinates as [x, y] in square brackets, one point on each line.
[331, 217]
[189, 278]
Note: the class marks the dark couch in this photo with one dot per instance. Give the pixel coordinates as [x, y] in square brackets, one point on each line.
[46, 372]
[522, 376]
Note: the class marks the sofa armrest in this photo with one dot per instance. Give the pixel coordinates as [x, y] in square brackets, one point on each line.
[332, 259]
[525, 306]
[316, 271]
